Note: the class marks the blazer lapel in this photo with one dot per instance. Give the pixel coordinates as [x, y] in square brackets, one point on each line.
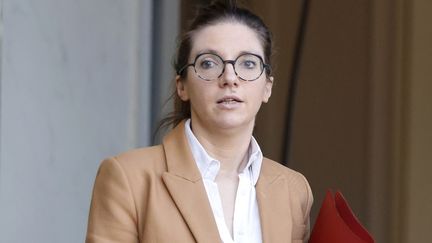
[273, 202]
[184, 183]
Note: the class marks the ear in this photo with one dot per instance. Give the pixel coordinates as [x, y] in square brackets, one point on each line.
[181, 89]
[268, 89]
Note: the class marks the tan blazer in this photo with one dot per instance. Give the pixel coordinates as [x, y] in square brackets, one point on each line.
[156, 195]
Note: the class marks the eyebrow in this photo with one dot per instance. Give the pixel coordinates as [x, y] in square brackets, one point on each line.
[208, 51]
[212, 51]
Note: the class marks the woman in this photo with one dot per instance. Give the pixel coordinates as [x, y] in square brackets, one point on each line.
[208, 181]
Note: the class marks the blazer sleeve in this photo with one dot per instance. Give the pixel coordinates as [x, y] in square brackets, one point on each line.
[113, 216]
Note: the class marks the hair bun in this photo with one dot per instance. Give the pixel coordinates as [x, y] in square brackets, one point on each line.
[228, 5]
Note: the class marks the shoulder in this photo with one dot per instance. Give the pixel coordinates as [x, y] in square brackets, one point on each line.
[298, 185]
[141, 157]
[141, 161]
[293, 177]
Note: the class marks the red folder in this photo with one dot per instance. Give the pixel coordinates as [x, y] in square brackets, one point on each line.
[336, 223]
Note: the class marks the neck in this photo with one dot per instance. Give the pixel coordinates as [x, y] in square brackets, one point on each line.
[229, 146]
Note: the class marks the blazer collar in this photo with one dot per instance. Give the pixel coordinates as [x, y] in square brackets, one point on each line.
[184, 183]
[273, 202]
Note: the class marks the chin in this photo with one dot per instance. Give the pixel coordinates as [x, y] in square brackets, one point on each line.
[232, 123]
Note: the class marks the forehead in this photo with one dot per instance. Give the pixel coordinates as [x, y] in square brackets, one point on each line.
[228, 39]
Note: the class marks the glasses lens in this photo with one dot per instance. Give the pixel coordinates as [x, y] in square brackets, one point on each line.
[249, 67]
[209, 66]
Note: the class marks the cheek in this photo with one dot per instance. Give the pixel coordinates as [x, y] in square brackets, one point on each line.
[258, 93]
[200, 94]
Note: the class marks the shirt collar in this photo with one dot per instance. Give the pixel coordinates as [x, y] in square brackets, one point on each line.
[209, 166]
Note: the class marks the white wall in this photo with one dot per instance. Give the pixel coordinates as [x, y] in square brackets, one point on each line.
[75, 88]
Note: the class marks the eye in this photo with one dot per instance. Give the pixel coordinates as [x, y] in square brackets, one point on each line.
[207, 64]
[249, 64]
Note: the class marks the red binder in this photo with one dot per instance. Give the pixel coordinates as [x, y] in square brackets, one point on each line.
[336, 223]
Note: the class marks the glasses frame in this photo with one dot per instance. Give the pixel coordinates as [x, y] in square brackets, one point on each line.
[265, 66]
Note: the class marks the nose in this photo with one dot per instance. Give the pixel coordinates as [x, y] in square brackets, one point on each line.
[229, 76]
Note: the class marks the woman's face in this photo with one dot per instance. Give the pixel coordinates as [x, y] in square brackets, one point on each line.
[228, 101]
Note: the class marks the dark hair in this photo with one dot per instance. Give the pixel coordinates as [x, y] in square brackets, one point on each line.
[211, 14]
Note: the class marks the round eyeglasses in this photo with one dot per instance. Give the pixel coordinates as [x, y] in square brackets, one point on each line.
[209, 66]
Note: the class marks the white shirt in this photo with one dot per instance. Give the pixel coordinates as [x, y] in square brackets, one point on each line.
[246, 222]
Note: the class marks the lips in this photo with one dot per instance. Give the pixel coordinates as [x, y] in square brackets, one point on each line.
[229, 99]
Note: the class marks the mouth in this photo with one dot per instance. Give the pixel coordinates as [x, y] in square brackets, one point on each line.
[229, 100]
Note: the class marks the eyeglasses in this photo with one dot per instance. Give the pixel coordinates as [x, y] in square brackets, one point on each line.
[209, 66]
